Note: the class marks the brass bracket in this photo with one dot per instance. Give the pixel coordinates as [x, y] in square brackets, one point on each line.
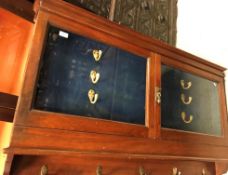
[94, 76]
[158, 95]
[176, 172]
[185, 85]
[99, 170]
[93, 96]
[44, 170]
[203, 172]
[183, 99]
[188, 121]
[97, 54]
[142, 171]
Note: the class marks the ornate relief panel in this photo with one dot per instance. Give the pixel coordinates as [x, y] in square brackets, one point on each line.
[126, 12]
[156, 18]
[100, 7]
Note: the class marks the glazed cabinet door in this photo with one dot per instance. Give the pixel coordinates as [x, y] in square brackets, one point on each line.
[85, 77]
[192, 104]
[78, 75]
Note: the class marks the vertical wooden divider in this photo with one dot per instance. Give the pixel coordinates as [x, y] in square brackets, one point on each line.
[153, 108]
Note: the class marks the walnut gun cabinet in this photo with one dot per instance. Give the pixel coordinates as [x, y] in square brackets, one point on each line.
[102, 99]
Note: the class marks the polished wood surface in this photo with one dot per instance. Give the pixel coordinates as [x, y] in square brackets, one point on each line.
[105, 143]
[158, 150]
[15, 34]
[154, 84]
[221, 167]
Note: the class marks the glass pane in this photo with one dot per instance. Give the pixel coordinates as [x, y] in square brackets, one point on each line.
[64, 79]
[189, 102]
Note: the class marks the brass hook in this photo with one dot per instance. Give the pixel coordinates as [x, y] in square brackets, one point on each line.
[44, 170]
[158, 95]
[183, 116]
[203, 172]
[93, 97]
[183, 84]
[94, 76]
[99, 170]
[183, 99]
[176, 172]
[97, 54]
[142, 171]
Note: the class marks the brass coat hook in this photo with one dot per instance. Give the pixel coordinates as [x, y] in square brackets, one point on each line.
[184, 118]
[44, 170]
[99, 170]
[186, 102]
[93, 96]
[97, 54]
[185, 85]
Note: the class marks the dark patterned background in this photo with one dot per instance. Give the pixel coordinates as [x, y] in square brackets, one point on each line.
[155, 18]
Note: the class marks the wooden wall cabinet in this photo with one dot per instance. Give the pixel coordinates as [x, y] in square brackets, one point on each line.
[146, 114]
